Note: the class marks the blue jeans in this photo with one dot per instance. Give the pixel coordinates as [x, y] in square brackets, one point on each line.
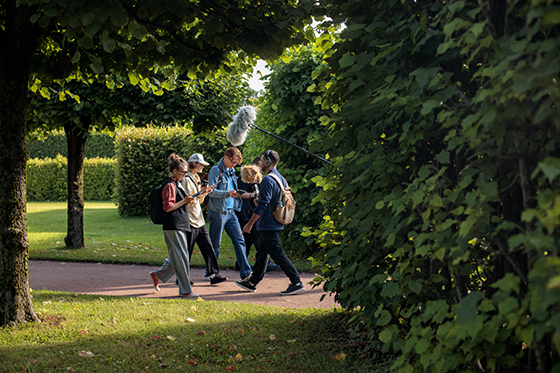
[229, 223]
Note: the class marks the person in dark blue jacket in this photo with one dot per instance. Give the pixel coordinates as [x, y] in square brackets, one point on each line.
[269, 230]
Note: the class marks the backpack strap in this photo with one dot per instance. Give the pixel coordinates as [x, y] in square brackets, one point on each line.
[281, 188]
[194, 183]
[278, 180]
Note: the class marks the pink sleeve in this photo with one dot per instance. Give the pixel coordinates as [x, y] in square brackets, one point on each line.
[168, 196]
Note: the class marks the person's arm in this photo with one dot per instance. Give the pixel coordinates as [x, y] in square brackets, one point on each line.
[168, 195]
[249, 226]
[213, 179]
[265, 195]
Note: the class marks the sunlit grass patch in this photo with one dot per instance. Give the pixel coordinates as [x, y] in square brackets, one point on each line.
[99, 334]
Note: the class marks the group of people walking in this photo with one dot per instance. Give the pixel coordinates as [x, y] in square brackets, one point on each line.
[184, 223]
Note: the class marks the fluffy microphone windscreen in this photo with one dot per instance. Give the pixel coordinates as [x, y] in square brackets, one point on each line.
[251, 174]
[237, 131]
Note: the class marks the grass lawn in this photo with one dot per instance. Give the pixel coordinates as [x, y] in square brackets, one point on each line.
[86, 333]
[90, 333]
[110, 238]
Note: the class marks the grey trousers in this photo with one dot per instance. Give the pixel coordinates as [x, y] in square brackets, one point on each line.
[178, 262]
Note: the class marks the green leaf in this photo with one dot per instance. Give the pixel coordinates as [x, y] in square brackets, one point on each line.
[550, 167]
[384, 318]
[346, 60]
[390, 289]
[87, 18]
[507, 283]
[552, 18]
[386, 335]
[467, 307]
[133, 77]
[428, 106]
[97, 68]
[436, 201]
[508, 305]
[85, 42]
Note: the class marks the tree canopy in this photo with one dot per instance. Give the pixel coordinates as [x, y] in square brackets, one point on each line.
[67, 40]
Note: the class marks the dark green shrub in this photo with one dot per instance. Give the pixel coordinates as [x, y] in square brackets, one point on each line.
[46, 179]
[142, 155]
[99, 178]
[48, 145]
[443, 200]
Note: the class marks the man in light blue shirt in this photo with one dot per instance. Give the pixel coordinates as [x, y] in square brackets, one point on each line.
[223, 201]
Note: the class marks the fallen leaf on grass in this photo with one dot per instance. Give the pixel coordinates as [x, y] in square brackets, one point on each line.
[170, 337]
[86, 353]
[238, 357]
[272, 337]
[231, 368]
[202, 332]
[189, 319]
[340, 357]
[156, 336]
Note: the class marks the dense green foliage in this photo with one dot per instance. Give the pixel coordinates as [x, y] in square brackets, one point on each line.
[46, 179]
[99, 144]
[142, 155]
[287, 110]
[443, 202]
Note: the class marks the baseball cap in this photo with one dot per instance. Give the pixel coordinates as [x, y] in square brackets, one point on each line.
[196, 157]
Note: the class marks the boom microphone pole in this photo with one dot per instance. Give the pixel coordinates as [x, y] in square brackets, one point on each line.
[243, 121]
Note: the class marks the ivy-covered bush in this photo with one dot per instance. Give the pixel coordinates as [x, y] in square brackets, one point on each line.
[443, 200]
[46, 179]
[48, 145]
[142, 155]
[287, 110]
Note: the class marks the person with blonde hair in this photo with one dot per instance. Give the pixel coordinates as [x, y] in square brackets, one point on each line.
[251, 177]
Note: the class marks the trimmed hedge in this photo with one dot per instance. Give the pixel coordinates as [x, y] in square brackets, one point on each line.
[142, 155]
[46, 179]
[99, 144]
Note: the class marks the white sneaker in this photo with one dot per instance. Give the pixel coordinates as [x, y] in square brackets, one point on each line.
[208, 278]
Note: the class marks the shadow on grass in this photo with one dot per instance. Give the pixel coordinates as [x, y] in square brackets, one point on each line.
[97, 334]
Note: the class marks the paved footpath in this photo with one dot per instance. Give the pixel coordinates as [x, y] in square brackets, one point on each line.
[134, 281]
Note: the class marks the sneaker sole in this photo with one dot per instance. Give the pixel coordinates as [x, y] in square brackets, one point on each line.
[293, 292]
[245, 288]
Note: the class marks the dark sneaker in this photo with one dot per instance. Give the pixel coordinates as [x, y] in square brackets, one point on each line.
[246, 285]
[293, 289]
[217, 279]
[272, 267]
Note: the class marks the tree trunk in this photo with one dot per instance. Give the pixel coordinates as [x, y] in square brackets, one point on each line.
[76, 142]
[18, 41]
